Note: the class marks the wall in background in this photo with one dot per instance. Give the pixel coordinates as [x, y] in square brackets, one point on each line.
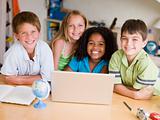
[99, 10]
[107, 10]
[2, 28]
[40, 9]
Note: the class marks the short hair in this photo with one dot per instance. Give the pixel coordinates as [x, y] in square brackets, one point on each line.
[25, 17]
[135, 25]
[108, 36]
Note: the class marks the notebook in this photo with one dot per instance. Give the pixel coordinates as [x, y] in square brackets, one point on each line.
[16, 94]
[77, 87]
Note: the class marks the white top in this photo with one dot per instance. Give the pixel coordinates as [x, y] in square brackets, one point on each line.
[17, 61]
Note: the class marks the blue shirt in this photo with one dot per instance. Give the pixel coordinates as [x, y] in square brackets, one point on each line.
[83, 65]
[17, 61]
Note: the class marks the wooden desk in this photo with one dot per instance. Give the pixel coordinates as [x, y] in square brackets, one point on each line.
[67, 111]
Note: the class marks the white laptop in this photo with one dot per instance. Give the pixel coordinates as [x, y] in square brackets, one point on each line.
[77, 87]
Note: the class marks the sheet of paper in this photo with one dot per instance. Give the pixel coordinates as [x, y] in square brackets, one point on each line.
[4, 90]
[20, 95]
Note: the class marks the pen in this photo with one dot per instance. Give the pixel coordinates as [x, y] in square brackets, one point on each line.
[127, 106]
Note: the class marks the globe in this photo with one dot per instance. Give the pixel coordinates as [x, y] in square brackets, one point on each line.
[41, 90]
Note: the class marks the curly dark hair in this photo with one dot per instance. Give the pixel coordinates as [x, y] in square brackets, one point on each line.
[108, 36]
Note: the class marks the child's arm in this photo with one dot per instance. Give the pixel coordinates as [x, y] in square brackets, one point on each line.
[57, 51]
[19, 80]
[72, 65]
[67, 68]
[104, 69]
[144, 93]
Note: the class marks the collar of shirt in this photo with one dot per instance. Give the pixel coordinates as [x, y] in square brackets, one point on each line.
[138, 57]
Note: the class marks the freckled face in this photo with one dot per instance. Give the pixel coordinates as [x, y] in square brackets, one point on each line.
[28, 36]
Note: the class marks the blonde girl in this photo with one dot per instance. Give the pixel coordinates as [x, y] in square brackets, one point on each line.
[65, 42]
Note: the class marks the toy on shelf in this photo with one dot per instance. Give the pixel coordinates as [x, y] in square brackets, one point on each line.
[55, 10]
[151, 47]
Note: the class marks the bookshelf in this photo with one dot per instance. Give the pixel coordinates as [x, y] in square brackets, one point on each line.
[55, 15]
[53, 26]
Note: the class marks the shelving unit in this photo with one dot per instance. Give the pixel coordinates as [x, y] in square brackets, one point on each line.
[52, 28]
[55, 17]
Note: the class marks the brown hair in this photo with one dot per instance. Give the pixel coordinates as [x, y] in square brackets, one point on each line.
[135, 25]
[25, 17]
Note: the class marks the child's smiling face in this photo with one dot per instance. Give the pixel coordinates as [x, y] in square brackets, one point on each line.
[28, 36]
[132, 44]
[76, 27]
[96, 47]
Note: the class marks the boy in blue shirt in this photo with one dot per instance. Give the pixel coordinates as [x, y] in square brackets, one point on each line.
[29, 58]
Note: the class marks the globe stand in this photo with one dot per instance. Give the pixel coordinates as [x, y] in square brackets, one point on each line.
[40, 105]
[41, 90]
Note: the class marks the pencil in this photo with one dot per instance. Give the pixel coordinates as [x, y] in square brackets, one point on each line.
[127, 106]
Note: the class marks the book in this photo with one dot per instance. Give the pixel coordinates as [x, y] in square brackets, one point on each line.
[16, 94]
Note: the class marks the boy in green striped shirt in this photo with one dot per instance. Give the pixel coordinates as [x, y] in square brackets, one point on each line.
[135, 72]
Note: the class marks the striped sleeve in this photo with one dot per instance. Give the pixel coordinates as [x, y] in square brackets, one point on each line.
[114, 68]
[145, 82]
[148, 73]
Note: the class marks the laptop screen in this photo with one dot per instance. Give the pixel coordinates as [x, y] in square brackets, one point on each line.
[79, 87]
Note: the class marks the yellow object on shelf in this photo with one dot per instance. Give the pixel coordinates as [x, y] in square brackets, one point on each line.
[9, 39]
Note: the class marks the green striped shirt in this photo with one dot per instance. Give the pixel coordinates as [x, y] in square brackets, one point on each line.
[141, 72]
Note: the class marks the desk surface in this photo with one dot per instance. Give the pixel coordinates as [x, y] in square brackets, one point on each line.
[68, 111]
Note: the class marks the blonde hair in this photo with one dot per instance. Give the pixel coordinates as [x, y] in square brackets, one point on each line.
[62, 33]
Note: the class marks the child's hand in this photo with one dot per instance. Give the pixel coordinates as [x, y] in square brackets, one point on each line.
[145, 93]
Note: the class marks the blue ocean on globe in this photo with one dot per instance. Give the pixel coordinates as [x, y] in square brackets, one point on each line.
[41, 89]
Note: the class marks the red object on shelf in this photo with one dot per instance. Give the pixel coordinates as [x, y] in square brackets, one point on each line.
[155, 116]
[16, 8]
